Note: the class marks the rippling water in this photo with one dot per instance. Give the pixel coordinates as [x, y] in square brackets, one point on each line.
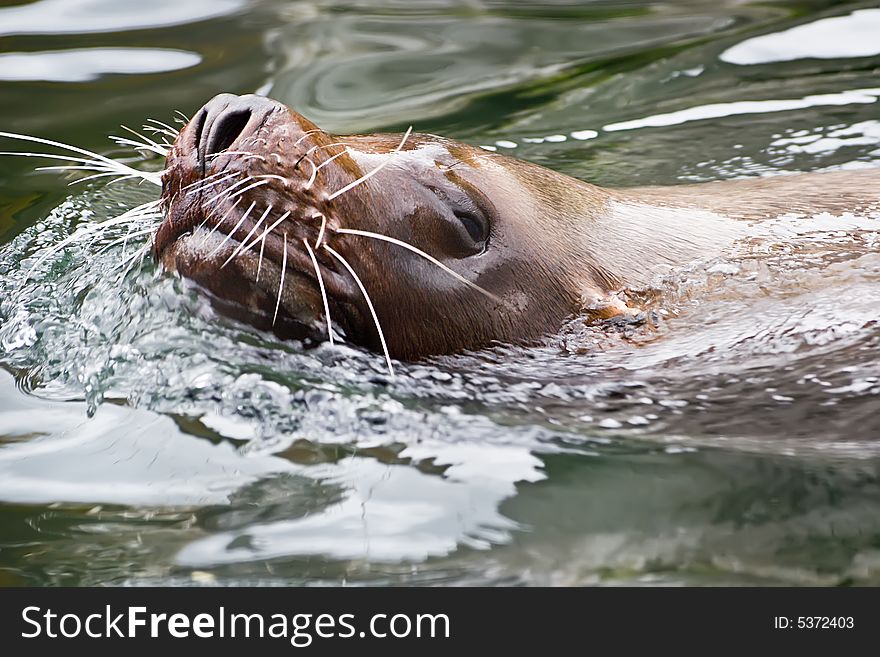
[732, 438]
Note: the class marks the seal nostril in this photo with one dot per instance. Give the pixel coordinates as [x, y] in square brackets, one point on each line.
[200, 119]
[225, 129]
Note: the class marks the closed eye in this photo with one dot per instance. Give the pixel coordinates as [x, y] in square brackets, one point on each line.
[474, 224]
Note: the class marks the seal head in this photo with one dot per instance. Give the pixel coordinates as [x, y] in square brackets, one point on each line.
[415, 242]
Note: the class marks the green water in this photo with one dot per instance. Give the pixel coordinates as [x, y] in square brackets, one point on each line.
[144, 440]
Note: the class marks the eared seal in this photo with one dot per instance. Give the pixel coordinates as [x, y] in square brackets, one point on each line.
[418, 245]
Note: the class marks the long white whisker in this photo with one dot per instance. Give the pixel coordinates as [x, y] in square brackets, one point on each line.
[201, 185]
[127, 264]
[271, 176]
[127, 217]
[104, 173]
[77, 167]
[74, 149]
[123, 240]
[65, 158]
[119, 177]
[304, 135]
[221, 194]
[369, 305]
[153, 130]
[314, 174]
[267, 231]
[207, 186]
[220, 223]
[331, 158]
[170, 128]
[321, 231]
[323, 291]
[253, 230]
[418, 251]
[87, 165]
[248, 155]
[150, 143]
[236, 227]
[321, 147]
[206, 179]
[374, 171]
[248, 188]
[281, 282]
[123, 141]
[225, 214]
[171, 131]
[260, 261]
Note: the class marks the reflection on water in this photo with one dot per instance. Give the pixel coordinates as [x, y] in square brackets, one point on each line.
[83, 64]
[731, 440]
[853, 35]
[96, 16]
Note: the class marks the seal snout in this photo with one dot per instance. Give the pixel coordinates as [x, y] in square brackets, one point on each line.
[226, 119]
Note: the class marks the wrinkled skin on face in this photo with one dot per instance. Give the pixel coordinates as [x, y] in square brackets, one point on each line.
[253, 191]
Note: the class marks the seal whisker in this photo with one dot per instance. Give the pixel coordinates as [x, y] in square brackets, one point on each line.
[262, 238]
[119, 177]
[248, 155]
[220, 223]
[153, 130]
[306, 134]
[207, 186]
[281, 281]
[138, 254]
[321, 231]
[235, 228]
[323, 291]
[132, 222]
[93, 159]
[248, 188]
[66, 158]
[363, 290]
[271, 176]
[213, 213]
[253, 230]
[221, 194]
[314, 175]
[331, 158]
[372, 172]
[419, 252]
[182, 115]
[105, 173]
[163, 127]
[149, 144]
[319, 147]
[260, 261]
[202, 185]
[126, 217]
[77, 167]
[124, 240]
[58, 144]
[123, 141]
